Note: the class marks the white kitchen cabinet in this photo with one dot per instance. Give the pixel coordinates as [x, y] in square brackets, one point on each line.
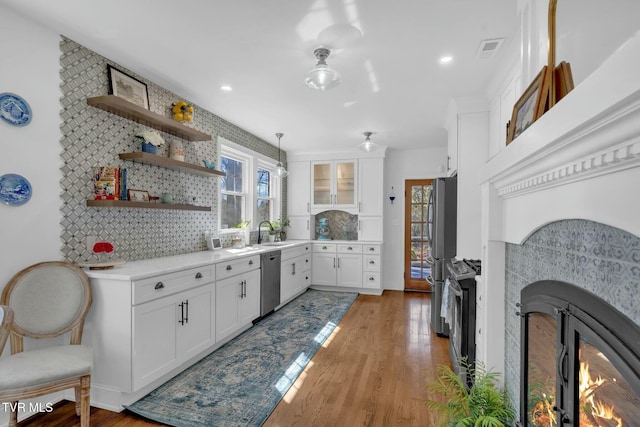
[237, 295]
[139, 331]
[298, 189]
[370, 228]
[371, 266]
[371, 186]
[294, 271]
[171, 330]
[300, 227]
[337, 265]
[334, 185]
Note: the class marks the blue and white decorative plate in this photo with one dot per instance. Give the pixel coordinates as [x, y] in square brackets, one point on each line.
[14, 110]
[15, 190]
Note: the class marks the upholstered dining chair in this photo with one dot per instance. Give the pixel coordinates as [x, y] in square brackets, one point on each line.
[48, 299]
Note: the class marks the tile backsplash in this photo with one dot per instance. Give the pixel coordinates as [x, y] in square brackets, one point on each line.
[601, 259]
[92, 137]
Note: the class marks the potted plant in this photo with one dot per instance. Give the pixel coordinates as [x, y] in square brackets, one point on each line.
[284, 223]
[274, 230]
[151, 140]
[482, 405]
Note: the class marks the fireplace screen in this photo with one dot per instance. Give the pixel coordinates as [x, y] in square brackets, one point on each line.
[581, 359]
[606, 398]
[542, 369]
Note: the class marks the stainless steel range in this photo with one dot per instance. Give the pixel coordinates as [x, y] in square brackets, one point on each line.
[462, 303]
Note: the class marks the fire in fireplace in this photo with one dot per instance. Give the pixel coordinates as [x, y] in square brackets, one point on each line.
[580, 358]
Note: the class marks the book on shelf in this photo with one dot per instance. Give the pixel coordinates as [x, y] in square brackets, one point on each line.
[106, 183]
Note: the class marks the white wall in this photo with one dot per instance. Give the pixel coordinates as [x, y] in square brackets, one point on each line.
[30, 68]
[401, 165]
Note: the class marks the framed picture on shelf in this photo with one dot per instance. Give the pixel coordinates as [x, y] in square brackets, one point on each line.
[138, 195]
[124, 86]
[531, 104]
[563, 80]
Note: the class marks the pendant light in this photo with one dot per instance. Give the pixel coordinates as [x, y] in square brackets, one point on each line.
[280, 171]
[367, 145]
[322, 77]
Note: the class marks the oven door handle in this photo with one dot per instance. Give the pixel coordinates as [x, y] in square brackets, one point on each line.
[455, 288]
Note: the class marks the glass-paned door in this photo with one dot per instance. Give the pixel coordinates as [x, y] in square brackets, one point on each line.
[417, 243]
[322, 184]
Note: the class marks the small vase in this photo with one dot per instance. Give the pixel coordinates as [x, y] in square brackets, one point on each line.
[272, 237]
[176, 150]
[147, 147]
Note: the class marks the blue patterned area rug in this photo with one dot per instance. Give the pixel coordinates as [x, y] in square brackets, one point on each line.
[242, 382]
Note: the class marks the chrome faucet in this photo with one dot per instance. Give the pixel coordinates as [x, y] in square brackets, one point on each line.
[260, 234]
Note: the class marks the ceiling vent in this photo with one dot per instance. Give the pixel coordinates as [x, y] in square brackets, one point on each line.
[489, 48]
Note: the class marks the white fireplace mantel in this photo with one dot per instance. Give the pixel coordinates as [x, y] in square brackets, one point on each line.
[579, 160]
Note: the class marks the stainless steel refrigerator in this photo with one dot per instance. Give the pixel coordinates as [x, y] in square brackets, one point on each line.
[441, 219]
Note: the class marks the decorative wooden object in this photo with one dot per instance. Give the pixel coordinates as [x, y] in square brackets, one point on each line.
[123, 108]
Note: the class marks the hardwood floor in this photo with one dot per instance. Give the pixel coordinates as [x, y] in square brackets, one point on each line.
[372, 371]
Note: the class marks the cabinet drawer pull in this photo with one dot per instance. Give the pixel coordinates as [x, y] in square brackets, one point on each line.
[371, 278]
[159, 285]
[350, 248]
[372, 262]
[229, 268]
[372, 249]
[198, 275]
[250, 262]
[324, 248]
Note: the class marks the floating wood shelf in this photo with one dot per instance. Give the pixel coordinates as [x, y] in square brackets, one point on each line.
[169, 163]
[131, 111]
[144, 205]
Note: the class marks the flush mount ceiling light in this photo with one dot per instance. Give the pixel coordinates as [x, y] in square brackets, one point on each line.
[322, 77]
[280, 171]
[367, 145]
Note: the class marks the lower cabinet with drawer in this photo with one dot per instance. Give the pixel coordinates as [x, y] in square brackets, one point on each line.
[337, 265]
[295, 272]
[371, 266]
[143, 331]
[237, 296]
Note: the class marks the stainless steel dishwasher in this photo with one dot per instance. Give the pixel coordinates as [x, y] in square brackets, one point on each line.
[269, 281]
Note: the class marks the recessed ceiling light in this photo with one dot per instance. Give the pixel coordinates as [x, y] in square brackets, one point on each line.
[446, 59]
[226, 88]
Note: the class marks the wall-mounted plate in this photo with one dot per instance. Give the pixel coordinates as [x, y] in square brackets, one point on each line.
[14, 110]
[15, 190]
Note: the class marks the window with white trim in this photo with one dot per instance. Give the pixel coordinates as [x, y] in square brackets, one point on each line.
[250, 190]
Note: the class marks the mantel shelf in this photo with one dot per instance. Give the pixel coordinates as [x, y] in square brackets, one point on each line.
[169, 163]
[144, 205]
[131, 111]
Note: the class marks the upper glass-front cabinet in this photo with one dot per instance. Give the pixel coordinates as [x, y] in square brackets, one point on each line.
[334, 185]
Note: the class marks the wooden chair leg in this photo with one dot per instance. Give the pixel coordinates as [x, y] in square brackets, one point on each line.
[85, 401]
[13, 416]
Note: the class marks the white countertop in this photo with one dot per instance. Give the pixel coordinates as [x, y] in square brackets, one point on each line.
[140, 269]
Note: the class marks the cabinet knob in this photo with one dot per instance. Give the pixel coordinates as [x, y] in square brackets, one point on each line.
[371, 278]
[159, 285]
[250, 262]
[350, 248]
[324, 247]
[198, 275]
[306, 260]
[229, 268]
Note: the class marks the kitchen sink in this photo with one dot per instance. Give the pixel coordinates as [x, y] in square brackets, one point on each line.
[275, 244]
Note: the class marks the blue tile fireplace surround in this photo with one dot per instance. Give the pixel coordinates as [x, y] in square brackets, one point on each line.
[600, 259]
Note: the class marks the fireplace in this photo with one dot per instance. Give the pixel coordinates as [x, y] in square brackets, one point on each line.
[581, 359]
